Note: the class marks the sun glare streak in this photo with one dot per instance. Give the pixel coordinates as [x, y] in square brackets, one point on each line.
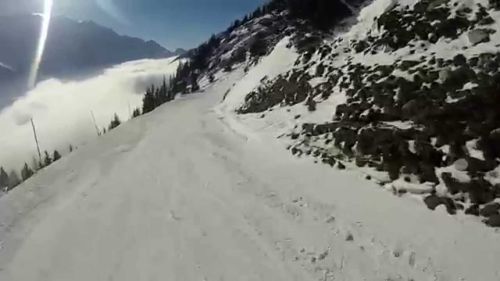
[44, 32]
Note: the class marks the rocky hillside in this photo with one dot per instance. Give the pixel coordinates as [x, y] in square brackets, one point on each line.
[406, 91]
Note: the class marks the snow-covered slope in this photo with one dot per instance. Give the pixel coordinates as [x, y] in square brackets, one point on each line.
[198, 199]
[406, 92]
[196, 190]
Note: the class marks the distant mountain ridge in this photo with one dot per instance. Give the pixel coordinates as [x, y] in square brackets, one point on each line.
[73, 48]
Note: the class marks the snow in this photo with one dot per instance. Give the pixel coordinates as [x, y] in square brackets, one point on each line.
[316, 81]
[414, 188]
[195, 200]
[473, 151]
[494, 176]
[403, 125]
[280, 60]
[193, 191]
[469, 86]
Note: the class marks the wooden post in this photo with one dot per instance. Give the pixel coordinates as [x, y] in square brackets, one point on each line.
[36, 140]
[95, 123]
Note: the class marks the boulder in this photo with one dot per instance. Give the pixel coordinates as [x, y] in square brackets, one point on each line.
[340, 166]
[480, 191]
[444, 74]
[490, 210]
[472, 210]
[493, 221]
[452, 184]
[477, 165]
[432, 201]
[477, 36]
[459, 60]
[461, 164]
[329, 160]
[451, 208]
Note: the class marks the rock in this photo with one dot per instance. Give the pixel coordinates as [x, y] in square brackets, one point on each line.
[490, 210]
[493, 221]
[452, 184]
[480, 191]
[461, 164]
[435, 3]
[478, 165]
[329, 160]
[451, 208]
[349, 237]
[444, 74]
[459, 60]
[477, 36]
[472, 210]
[340, 166]
[492, 66]
[323, 255]
[432, 201]
[410, 108]
[407, 64]
[473, 61]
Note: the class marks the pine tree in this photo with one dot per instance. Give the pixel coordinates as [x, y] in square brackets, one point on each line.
[13, 180]
[4, 179]
[136, 113]
[47, 160]
[56, 156]
[35, 164]
[194, 83]
[162, 96]
[322, 13]
[148, 102]
[171, 92]
[114, 123]
[26, 172]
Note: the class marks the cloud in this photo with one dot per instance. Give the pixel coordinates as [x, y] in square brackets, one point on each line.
[61, 110]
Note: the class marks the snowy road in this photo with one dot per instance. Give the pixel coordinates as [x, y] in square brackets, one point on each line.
[180, 195]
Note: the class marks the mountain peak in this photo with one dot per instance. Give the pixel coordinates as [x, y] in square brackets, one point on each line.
[73, 48]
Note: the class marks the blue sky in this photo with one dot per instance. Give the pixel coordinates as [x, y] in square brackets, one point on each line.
[172, 23]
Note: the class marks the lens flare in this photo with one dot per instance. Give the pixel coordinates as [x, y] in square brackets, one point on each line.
[44, 32]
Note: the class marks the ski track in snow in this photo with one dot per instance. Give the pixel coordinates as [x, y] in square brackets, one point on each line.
[186, 193]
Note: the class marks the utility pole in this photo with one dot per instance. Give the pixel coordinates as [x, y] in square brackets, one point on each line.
[36, 140]
[95, 123]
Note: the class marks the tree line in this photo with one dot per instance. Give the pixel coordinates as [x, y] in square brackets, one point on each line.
[9, 181]
[322, 14]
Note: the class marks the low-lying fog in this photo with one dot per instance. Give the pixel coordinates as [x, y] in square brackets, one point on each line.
[62, 110]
